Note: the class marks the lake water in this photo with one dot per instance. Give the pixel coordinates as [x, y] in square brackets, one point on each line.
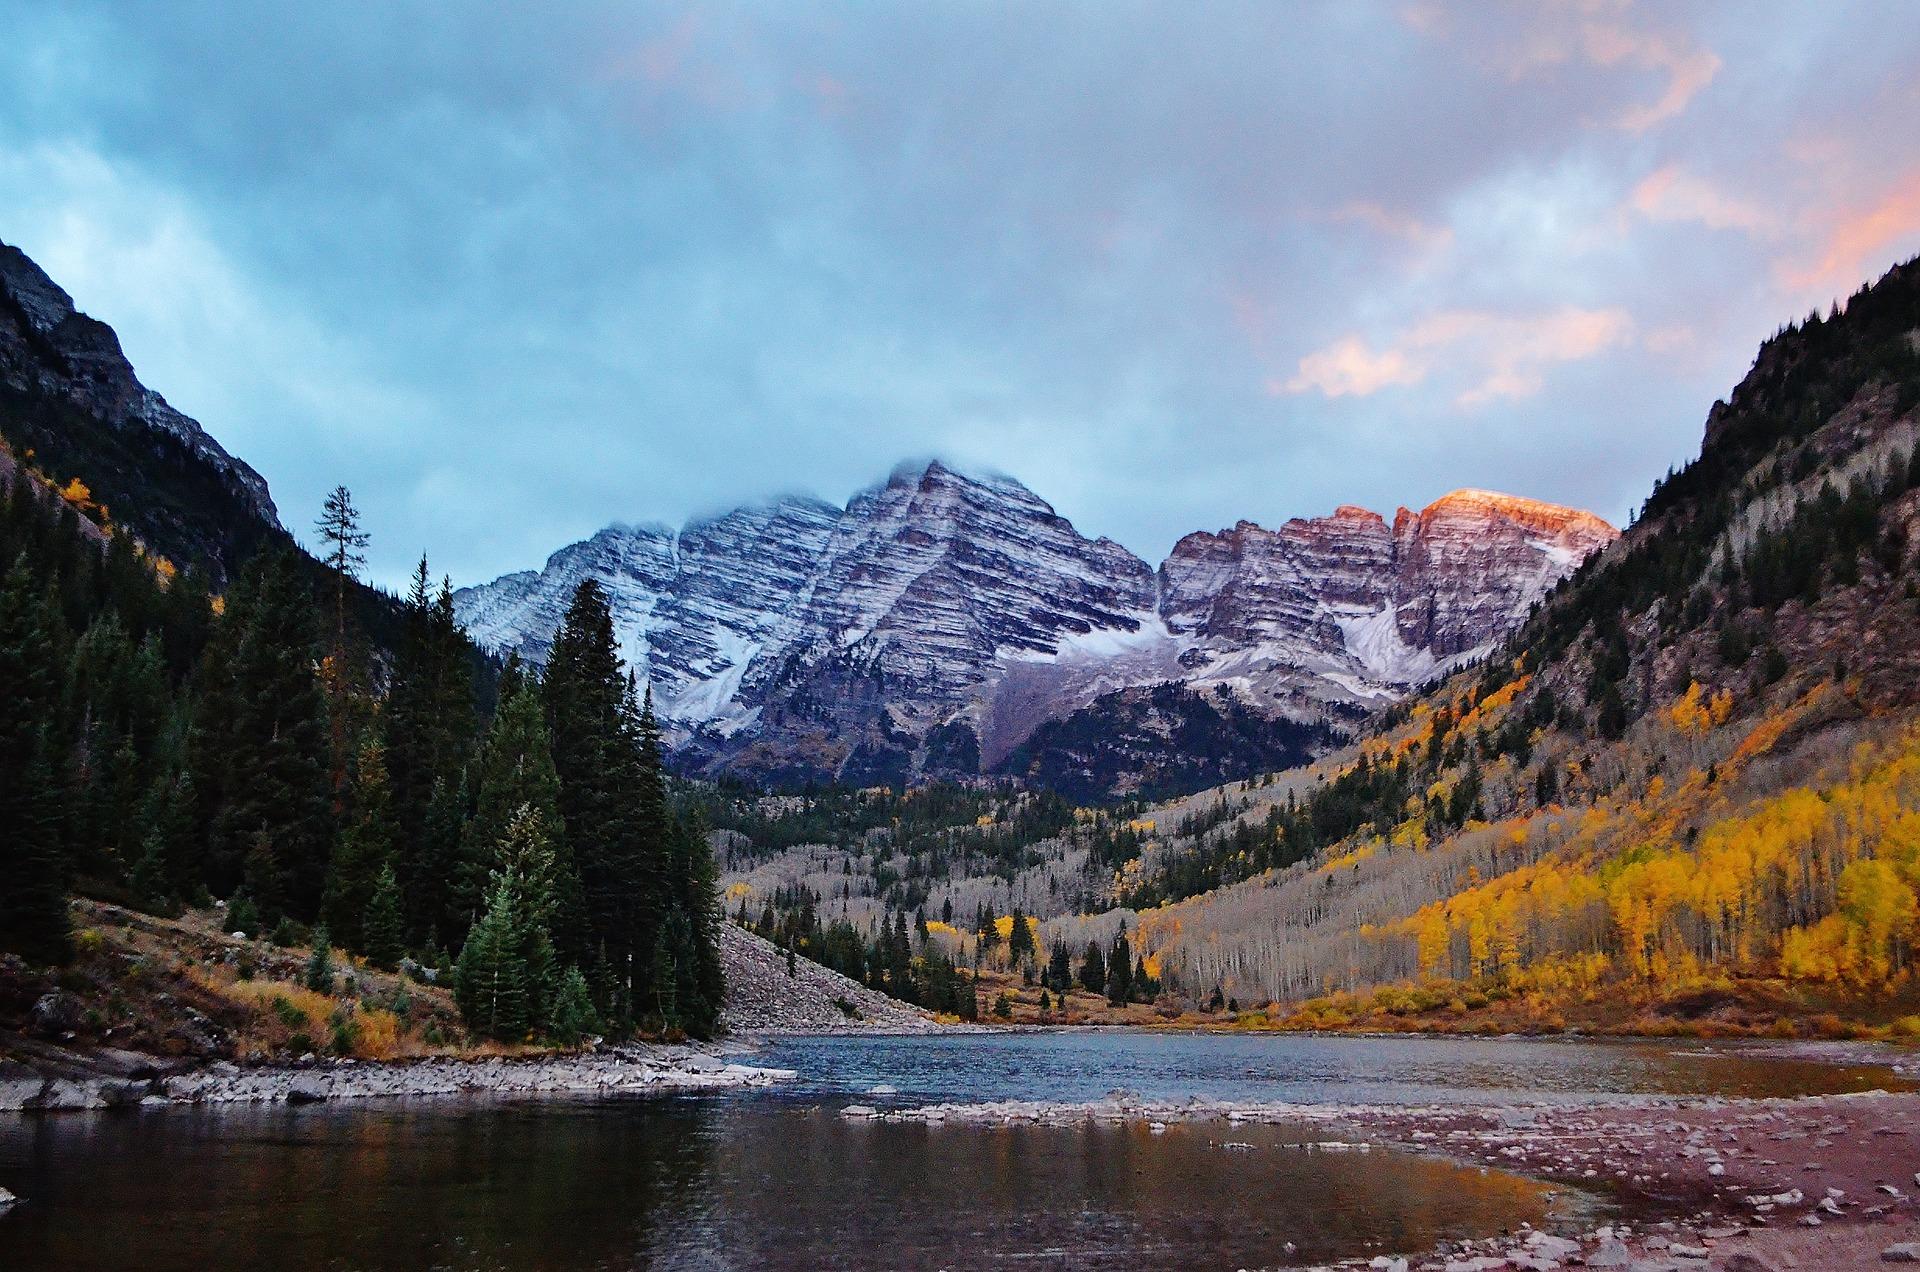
[780, 1180]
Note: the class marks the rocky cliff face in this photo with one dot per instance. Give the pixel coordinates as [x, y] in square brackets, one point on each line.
[1347, 609]
[68, 393]
[933, 624]
[87, 367]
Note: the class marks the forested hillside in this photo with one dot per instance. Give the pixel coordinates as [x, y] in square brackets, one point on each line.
[1693, 776]
[166, 745]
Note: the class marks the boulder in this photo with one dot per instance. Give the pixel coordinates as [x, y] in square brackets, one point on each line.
[1612, 1253]
[56, 1014]
[307, 1089]
[124, 1094]
[1903, 1252]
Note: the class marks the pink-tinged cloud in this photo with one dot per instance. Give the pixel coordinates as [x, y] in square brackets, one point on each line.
[1860, 241]
[1504, 355]
[1688, 70]
[1671, 194]
[1349, 367]
[1392, 224]
[1609, 43]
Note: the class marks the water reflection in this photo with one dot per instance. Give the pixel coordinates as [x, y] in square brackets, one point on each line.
[1077, 1066]
[759, 1180]
[721, 1183]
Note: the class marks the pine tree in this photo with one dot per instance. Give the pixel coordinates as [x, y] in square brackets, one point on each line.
[1020, 939]
[1119, 971]
[342, 542]
[490, 982]
[573, 1016]
[430, 723]
[384, 930]
[611, 799]
[33, 902]
[1093, 970]
[515, 771]
[318, 976]
[1060, 969]
[700, 903]
[365, 851]
[275, 784]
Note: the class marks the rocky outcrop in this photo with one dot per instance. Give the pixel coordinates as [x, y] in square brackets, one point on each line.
[69, 397]
[937, 621]
[45, 340]
[1347, 609]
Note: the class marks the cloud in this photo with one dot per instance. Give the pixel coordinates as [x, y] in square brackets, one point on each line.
[512, 280]
[1858, 241]
[1559, 35]
[1671, 194]
[1502, 355]
[1688, 70]
[1349, 366]
[1399, 225]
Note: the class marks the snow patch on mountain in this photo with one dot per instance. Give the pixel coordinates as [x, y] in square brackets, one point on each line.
[942, 597]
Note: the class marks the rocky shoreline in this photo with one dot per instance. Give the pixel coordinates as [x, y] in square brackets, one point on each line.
[1761, 1185]
[103, 1080]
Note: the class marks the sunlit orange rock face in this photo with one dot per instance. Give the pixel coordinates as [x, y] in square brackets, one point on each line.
[1399, 600]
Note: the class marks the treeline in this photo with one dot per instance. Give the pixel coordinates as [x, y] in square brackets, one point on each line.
[165, 746]
[904, 963]
[906, 843]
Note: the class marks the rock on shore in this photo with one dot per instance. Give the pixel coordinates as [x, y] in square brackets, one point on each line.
[606, 1071]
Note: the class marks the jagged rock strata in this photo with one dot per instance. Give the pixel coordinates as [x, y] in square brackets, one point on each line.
[46, 343]
[933, 624]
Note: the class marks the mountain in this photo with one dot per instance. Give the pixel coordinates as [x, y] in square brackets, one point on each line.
[940, 618]
[1685, 793]
[75, 415]
[70, 398]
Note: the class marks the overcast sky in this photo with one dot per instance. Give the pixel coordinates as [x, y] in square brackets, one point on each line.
[512, 278]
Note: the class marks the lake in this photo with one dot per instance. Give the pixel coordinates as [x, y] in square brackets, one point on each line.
[780, 1180]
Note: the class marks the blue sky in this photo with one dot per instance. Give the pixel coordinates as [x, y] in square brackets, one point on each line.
[514, 276]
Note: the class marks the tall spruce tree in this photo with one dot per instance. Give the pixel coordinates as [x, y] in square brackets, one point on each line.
[343, 545]
[515, 771]
[365, 850]
[430, 723]
[596, 755]
[274, 813]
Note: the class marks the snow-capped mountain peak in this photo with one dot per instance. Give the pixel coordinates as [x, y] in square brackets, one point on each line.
[942, 615]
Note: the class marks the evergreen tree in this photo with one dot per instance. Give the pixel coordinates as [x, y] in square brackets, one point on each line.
[318, 976]
[573, 1017]
[33, 899]
[365, 851]
[611, 799]
[516, 772]
[384, 929]
[527, 870]
[1060, 969]
[275, 784]
[1119, 971]
[490, 982]
[33, 903]
[1020, 936]
[430, 725]
[699, 902]
[1093, 970]
[343, 543]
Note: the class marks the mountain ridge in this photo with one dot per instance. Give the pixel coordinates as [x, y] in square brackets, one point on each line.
[792, 636]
